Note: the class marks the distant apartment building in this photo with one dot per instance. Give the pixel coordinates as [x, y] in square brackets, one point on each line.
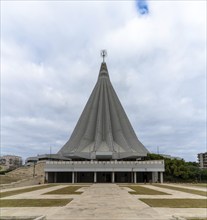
[10, 162]
[202, 160]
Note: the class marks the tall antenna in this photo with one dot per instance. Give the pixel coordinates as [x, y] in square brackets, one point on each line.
[158, 150]
[50, 152]
[103, 54]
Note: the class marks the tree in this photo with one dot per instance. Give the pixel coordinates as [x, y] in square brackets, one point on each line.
[179, 170]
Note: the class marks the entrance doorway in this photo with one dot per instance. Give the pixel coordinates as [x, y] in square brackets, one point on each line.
[59, 177]
[85, 177]
[104, 177]
[123, 177]
[144, 177]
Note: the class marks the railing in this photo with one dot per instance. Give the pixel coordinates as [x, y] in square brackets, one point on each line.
[107, 162]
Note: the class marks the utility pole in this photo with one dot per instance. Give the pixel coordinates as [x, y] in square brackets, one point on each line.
[158, 150]
[50, 152]
[34, 169]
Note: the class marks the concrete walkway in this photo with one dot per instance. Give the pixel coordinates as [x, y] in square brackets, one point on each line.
[188, 186]
[104, 201]
[39, 194]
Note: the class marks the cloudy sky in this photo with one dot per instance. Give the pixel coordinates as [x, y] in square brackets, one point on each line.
[50, 59]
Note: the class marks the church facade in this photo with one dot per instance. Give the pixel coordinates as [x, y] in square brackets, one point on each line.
[103, 147]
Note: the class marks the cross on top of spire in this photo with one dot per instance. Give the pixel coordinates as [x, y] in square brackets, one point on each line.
[103, 54]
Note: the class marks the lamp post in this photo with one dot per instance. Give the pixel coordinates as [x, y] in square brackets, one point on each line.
[34, 169]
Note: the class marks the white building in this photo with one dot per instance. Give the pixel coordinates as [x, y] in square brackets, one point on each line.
[10, 162]
[202, 160]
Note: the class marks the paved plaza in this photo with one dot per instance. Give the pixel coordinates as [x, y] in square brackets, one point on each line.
[105, 201]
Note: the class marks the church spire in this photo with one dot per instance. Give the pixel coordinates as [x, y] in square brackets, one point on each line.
[103, 70]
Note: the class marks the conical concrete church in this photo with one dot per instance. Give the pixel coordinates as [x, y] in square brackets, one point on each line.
[103, 130]
[103, 146]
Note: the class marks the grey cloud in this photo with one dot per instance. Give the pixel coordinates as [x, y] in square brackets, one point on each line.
[50, 66]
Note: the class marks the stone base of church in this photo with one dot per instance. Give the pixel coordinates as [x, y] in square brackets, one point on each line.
[104, 177]
[104, 171]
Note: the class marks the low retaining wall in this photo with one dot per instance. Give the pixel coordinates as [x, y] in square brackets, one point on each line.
[25, 182]
[23, 217]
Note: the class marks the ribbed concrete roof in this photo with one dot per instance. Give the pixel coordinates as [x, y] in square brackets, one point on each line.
[103, 130]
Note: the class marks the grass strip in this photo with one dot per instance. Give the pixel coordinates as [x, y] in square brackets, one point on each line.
[204, 185]
[196, 218]
[140, 190]
[192, 191]
[19, 191]
[65, 190]
[33, 202]
[176, 203]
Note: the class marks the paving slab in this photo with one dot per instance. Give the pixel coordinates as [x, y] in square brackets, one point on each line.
[21, 187]
[34, 194]
[106, 201]
[188, 186]
[39, 194]
[27, 211]
[183, 213]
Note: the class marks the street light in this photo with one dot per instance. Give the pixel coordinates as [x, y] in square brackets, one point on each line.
[34, 169]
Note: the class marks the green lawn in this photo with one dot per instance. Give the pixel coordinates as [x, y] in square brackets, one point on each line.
[196, 218]
[65, 190]
[176, 203]
[145, 191]
[33, 202]
[197, 185]
[19, 191]
[192, 191]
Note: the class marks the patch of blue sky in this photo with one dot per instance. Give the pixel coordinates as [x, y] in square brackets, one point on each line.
[142, 7]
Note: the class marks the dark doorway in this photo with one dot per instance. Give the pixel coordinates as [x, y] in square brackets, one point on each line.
[123, 177]
[64, 177]
[86, 177]
[59, 177]
[104, 177]
[51, 178]
[144, 177]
